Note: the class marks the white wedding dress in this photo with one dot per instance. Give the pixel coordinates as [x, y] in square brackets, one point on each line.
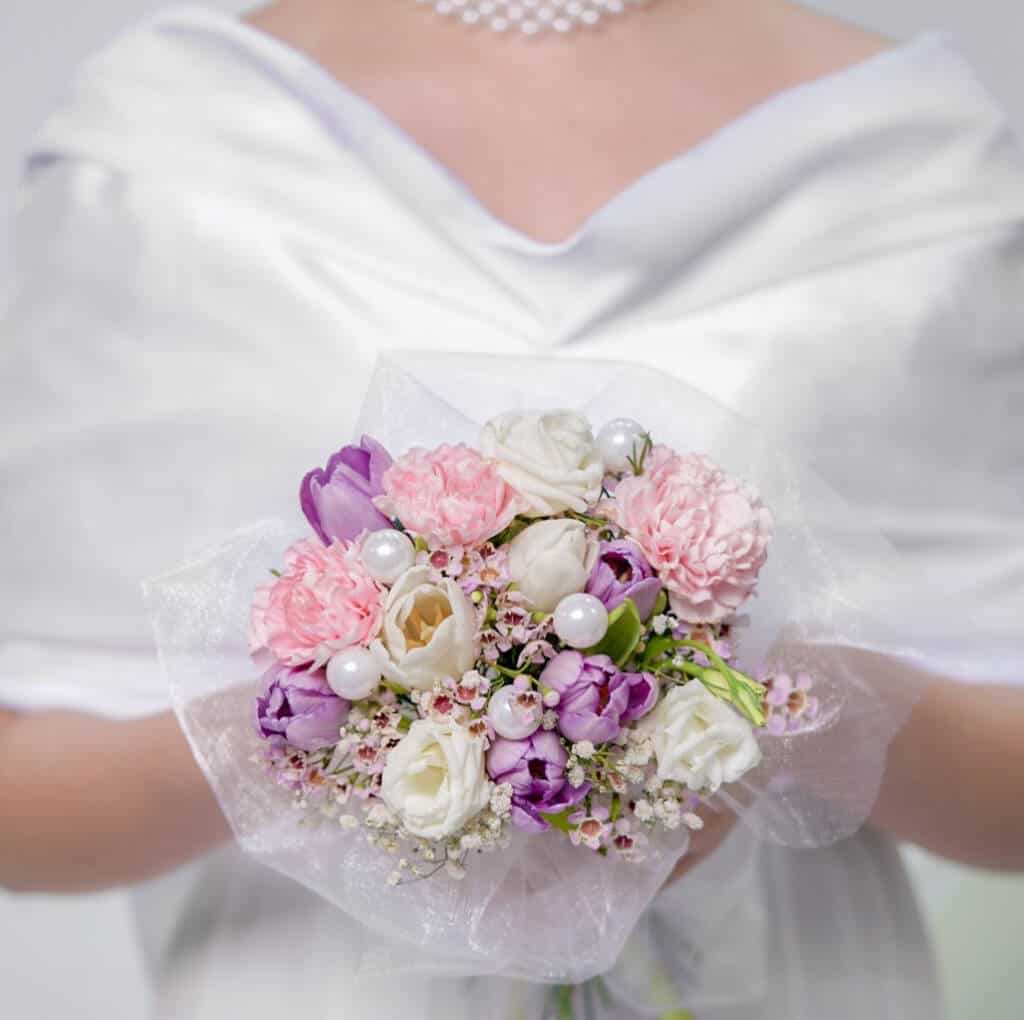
[215, 238]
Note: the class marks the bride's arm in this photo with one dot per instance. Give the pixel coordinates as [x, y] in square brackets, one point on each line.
[954, 780]
[88, 803]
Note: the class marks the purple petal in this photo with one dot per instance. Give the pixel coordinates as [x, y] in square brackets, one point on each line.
[546, 745]
[308, 492]
[345, 512]
[645, 595]
[351, 465]
[598, 729]
[562, 671]
[643, 695]
[505, 756]
[320, 727]
[528, 821]
[380, 461]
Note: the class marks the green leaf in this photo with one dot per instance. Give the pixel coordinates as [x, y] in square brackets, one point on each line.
[625, 629]
[660, 603]
[518, 525]
[717, 683]
[745, 693]
[559, 821]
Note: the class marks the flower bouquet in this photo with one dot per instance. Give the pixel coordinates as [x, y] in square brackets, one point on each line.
[535, 633]
[520, 657]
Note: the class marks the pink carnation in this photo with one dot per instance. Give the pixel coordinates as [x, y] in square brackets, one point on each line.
[704, 532]
[451, 496]
[324, 601]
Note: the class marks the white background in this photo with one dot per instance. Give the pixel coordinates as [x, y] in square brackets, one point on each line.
[76, 959]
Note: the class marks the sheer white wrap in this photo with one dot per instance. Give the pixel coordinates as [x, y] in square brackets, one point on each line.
[547, 911]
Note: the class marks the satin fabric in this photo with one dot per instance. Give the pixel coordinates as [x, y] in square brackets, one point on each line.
[215, 238]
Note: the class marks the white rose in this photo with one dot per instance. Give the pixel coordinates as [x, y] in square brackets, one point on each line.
[435, 779]
[429, 631]
[699, 740]
[551, 559]
[550, 459]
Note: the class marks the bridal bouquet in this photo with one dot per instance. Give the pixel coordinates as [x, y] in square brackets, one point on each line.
[553, 616]
[536, 633]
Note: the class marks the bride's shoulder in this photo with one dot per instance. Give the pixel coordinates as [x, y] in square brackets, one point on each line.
[163, 91]
[811, 44]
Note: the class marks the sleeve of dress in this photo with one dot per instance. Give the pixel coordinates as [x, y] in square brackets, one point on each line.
[87, 499]
[931, 446]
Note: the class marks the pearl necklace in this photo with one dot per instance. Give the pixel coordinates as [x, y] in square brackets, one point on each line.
[530, 17]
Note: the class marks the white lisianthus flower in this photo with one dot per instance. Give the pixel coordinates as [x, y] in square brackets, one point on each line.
[435, 779]
[551, 559]
[550, 459]
[699, 740]
[429, 631]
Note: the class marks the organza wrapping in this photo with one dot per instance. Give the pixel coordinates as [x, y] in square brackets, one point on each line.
[829, 602]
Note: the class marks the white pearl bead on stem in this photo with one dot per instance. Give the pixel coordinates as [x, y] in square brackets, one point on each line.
[387, 555]
[618, 441]
[581, 620]
[353, 673]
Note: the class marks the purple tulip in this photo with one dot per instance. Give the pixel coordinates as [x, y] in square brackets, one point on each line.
[596, 699]
[535, 768]
[338, 500]
[643, 695]
[298, 708]
[622, 572]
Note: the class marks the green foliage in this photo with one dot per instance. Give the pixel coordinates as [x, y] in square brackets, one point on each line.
[559, 821]
[625, 629]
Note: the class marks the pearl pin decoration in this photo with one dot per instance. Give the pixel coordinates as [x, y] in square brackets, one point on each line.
[353, 674]
[581, 620]
[531, 17]
[618, 441]
[387, 554]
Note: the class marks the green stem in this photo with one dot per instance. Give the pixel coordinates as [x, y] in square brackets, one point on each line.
[594, 522]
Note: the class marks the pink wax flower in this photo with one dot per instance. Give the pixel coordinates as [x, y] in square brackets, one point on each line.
[704, 532]
[451, 496]
[324, 601]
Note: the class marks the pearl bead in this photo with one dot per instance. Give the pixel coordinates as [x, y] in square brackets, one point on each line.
[619, 440]
[581, 620]
[387, 555]
[353, 673]
[510, 720]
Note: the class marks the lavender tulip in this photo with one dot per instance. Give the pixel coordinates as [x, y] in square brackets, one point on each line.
[338, 500]
[535, 768]
[643, 695]
[298, 708]
[622, 572]
[596, 698]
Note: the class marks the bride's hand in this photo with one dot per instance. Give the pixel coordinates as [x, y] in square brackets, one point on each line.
[954, 778]
[88, 803]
